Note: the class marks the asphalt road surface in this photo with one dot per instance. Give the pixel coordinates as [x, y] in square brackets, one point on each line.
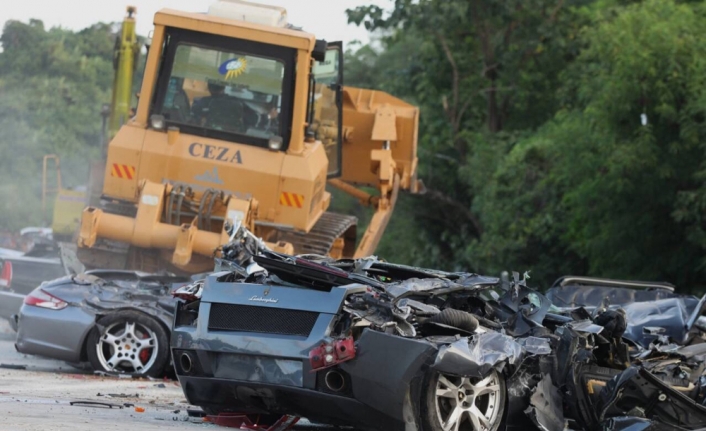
[39, 397]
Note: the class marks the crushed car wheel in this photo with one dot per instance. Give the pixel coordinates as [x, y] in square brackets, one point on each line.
[463, 403]
[128, 342]
[457, 319]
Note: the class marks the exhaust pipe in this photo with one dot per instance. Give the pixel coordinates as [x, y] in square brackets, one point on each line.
[335, 381]
[186, 363]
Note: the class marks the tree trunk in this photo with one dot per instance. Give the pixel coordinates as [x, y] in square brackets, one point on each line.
[494, 114]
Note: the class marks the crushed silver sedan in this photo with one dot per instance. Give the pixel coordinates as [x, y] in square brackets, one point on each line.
[119, 321]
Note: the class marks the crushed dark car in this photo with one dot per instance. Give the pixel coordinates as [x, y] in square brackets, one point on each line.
[118, 321]
[380, 346]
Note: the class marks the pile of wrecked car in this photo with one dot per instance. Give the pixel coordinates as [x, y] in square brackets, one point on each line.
[380, 346]
[270, 337]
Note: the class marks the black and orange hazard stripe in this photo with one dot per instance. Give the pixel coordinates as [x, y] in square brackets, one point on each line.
[122, 171]
[291, 200]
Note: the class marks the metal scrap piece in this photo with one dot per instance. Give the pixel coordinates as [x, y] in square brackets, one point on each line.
[95, 404]
[477, 355]
[631, 423]
[546, 406]
[586, 326]
[13, 367]
[536, 345]
[662, 403]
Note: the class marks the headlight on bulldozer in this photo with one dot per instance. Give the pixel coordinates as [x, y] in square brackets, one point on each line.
[157, 122]
[275, 143]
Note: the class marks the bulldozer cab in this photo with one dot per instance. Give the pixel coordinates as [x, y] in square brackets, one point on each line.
[244, 91]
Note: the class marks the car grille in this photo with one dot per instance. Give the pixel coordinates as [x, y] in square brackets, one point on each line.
[246, 318]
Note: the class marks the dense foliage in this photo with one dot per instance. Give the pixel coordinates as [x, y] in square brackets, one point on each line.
[52, 85]
[558, 136]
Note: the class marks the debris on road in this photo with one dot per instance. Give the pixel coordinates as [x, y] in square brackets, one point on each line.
[95, 404]
[118, 395]
[13, 367]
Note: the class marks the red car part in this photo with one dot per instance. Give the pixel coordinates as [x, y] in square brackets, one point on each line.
[6, 274]
[243, 422]
[329, 354]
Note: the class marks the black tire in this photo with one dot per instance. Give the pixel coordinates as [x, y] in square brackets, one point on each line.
[457, 319]
[143, 324]
[430, 420]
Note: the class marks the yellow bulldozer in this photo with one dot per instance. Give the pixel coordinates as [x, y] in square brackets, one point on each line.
[243, 118]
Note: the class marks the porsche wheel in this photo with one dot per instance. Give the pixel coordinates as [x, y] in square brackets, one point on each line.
[464, 403]
[129, 342]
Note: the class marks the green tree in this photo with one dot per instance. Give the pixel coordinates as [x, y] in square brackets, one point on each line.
[484, 74]
[595, 190]
[52, 84]
[532, 139]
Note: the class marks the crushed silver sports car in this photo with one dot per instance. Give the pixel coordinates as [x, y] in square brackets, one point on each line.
[378, 346]
[118, 321]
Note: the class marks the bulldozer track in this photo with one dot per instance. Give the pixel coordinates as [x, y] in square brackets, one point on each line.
[321, 238]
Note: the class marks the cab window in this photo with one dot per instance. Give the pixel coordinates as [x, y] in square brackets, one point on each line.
[226, 88]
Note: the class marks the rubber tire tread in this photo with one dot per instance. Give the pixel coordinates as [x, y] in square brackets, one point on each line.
[457, 319]
[163, 356]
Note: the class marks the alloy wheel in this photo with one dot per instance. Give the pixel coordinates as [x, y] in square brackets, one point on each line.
[127, 347]
[467, 403]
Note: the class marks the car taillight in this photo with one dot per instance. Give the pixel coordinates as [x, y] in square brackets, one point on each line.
[6, 274]
[332, 353]
[42, 299]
